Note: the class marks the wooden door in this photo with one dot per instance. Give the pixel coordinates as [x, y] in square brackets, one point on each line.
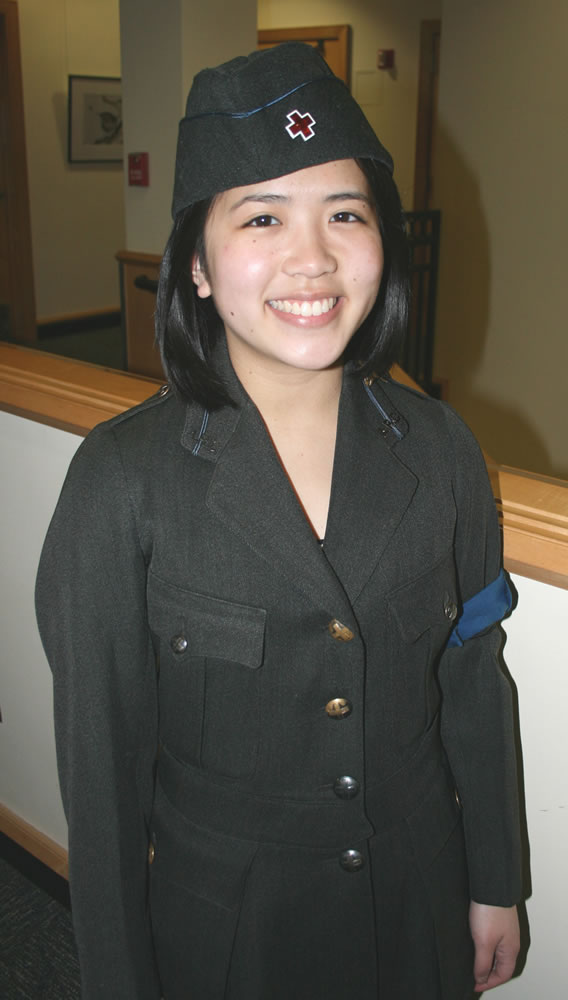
[17, 302]
[333, 42]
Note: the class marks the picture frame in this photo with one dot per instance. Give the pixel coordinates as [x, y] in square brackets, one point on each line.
[94, 119]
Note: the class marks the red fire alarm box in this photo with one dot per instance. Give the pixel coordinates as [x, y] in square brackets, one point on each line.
[138, 169]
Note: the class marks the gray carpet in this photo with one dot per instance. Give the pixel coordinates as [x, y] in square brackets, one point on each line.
[38, 960]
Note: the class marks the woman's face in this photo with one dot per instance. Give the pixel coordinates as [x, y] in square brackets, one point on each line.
[294, 266]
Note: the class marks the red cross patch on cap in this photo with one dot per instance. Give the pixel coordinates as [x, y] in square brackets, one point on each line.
[300, 124]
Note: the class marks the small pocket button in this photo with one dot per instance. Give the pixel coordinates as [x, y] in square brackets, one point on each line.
[450, 609]
[346, 787]
[178, 643]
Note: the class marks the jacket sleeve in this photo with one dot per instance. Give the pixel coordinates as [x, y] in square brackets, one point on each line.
[90, 603]
[477, 710]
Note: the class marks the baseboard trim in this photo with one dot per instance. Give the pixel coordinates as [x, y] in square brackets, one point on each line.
[34, 842]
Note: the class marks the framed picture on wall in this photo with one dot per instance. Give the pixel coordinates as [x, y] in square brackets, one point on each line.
[95, 119]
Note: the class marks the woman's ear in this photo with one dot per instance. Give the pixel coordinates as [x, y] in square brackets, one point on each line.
[199, 278]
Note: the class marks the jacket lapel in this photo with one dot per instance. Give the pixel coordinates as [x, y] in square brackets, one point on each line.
[251, 494]
[372, 488]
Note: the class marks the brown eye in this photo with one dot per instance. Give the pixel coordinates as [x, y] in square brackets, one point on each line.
[263, 220]
[346, 217]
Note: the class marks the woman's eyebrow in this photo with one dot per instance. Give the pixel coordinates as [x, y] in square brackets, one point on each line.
[349, 196]
[268, 199]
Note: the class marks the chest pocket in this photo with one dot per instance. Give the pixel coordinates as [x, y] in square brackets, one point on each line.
[422, 614]
[429, 603]
[210, 658]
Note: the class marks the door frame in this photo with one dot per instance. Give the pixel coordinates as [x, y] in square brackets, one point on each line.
[426, 117]
[13, 140]
[336, 36]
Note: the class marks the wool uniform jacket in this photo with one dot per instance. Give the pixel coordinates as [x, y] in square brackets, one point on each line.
[280, 780]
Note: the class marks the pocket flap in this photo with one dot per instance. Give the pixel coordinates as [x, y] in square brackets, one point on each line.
[429, 601]
[212, 627]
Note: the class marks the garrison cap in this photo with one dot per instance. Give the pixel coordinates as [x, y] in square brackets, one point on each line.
[265, 115]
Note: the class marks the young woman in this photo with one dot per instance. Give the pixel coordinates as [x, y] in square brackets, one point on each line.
[269, 598]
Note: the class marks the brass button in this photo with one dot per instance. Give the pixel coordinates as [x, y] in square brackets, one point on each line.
[346, 787]
[178, 643]
[340, 631]
[339, 708]
[351, 860]
[151, 853]
[450, 609]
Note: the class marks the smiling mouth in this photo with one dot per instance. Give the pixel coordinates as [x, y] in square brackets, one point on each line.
[303, 308]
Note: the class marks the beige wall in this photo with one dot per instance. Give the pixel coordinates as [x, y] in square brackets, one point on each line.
[35, 459]
[152, 102]
[388, 98]
[160, 57]
[77, 213]
[502, 337]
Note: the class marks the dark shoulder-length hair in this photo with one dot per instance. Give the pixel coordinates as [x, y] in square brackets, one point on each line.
[188, 327]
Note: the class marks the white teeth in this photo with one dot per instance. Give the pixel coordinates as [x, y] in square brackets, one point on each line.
[303, 308]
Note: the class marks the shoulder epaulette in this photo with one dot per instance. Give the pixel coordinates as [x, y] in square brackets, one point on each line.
[163, 394]
[394, 425]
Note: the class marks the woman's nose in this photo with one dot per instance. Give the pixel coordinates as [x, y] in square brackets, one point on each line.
[309, 254]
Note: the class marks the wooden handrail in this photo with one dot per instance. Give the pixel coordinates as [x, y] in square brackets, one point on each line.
[534, 514]
[75, 396]
[71, 395]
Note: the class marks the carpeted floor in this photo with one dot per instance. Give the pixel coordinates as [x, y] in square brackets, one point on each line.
[38, 959]
[100, 346]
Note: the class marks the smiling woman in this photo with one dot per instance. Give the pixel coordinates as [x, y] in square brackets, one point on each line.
[282, 530]
[292, 285]
[298, 214]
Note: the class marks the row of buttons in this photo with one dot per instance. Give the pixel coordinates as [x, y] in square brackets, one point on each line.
[344, 787]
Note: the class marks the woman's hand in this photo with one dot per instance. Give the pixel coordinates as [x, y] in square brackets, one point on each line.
[496, 936]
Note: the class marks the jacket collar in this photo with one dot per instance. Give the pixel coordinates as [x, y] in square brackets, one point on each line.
[206, 432]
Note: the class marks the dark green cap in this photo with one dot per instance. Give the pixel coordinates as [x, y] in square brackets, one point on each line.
[265, 115]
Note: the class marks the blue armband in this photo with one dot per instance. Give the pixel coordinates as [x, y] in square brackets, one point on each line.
[482, 610]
